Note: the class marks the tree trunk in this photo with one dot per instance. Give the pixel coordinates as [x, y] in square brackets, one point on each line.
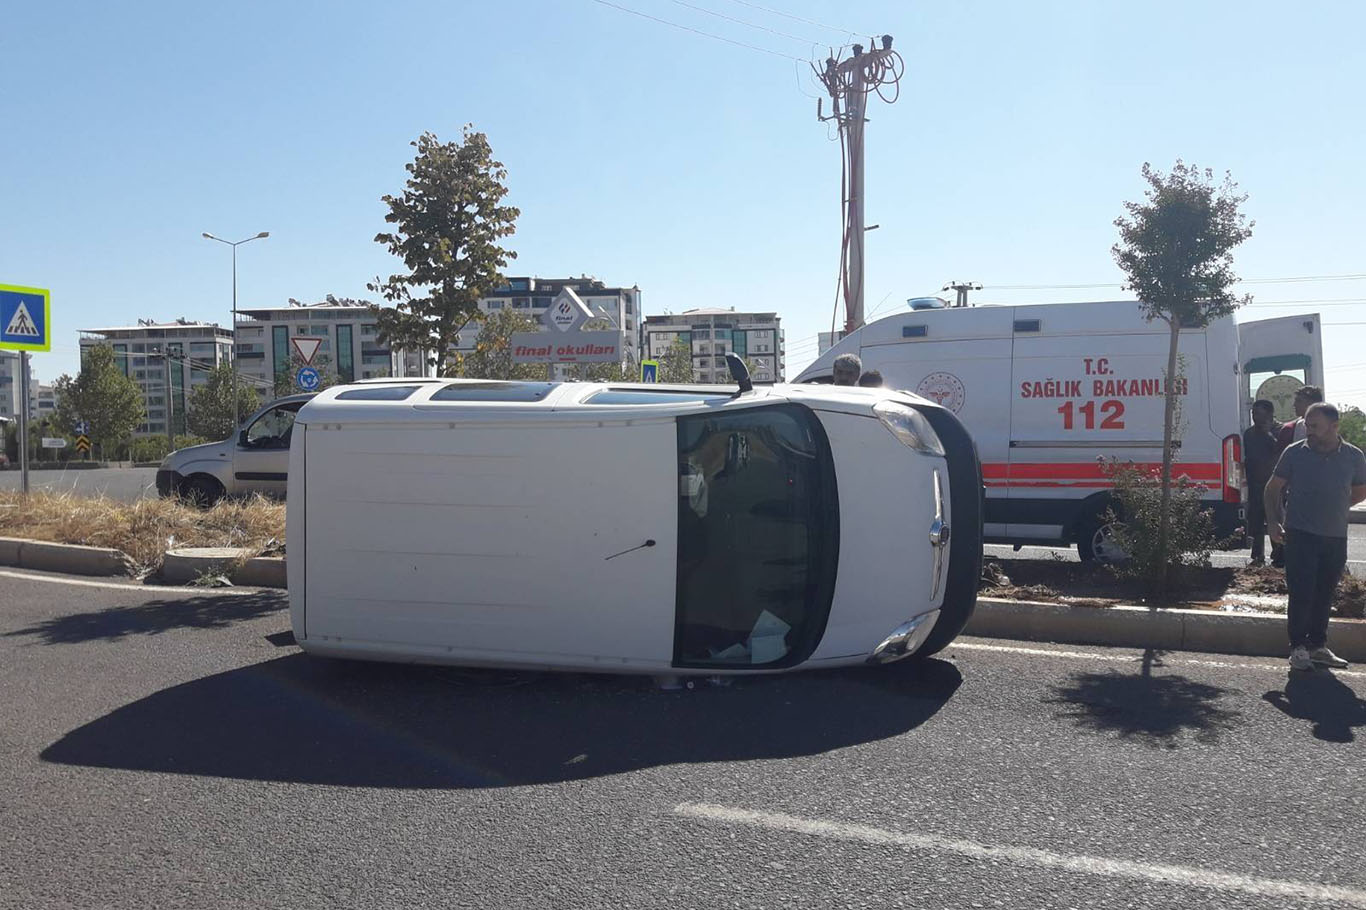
[1168, 431]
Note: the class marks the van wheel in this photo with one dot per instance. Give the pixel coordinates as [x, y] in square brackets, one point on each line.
[201, 491]
[1096, 541]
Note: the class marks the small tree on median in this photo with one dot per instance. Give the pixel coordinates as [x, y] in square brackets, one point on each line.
[492, 354]
[676, 363]
[449, 221]
[1177, 250]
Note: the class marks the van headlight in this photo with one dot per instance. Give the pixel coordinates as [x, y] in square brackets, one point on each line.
[909, 425]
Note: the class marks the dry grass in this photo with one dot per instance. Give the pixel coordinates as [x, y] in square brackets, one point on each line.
[145, 529]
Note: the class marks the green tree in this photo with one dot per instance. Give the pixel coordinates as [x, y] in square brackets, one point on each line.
[676, 364]
[1177, 250]
[1352, 425]
[492, 354]
[210, 411]
[449, 221]
[102, 396]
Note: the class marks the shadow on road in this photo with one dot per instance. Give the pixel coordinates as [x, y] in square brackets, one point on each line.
[309, 720]
[208, 612]
[1157, 709]
[1323, 700]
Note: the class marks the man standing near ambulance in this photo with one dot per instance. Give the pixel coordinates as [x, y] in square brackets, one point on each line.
[1259, 459]
[1325, 476]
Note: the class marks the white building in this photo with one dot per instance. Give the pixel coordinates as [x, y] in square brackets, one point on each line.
[166, 360]
[10, 394]
[349, 347]
[42, 400]
[712, 333]
[621, 307]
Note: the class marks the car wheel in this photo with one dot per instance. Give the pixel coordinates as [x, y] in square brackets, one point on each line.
[201, 491]
[1096, 540]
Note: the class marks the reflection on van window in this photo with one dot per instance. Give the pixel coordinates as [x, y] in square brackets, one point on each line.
[647, 396]
[758, 527]
[273, 428]
[494, 391]
[378, 393]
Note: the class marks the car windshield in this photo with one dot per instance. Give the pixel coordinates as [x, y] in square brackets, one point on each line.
[758, 529]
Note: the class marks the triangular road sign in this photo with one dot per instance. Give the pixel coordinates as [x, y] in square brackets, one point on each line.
[21, 323]
[306, 348]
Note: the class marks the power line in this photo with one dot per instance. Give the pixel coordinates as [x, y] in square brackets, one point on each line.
[778, 12]
[762, 28]
[698, 31]
[1061, 287]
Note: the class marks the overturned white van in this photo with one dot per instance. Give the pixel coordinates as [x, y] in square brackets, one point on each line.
[630, 528]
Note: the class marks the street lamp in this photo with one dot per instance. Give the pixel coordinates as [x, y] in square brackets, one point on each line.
[237, 416]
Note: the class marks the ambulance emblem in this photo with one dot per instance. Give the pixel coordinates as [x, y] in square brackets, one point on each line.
[944, 389]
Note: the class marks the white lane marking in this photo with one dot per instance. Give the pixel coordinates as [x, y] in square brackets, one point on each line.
[1124, 658]
[128, 586]
[1029, 856]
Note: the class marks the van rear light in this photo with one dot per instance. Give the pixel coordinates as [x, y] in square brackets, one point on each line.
[1233, 469]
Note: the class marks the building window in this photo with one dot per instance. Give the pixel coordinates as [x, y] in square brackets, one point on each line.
[521, 303]
[279, 336]
[346, 364]
[495, 304]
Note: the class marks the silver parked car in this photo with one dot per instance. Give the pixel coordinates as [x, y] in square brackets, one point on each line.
[254, 460]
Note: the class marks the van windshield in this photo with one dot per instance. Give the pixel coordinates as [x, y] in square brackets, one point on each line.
[758, 537]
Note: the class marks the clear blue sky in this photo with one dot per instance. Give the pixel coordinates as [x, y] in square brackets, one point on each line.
[644, 154]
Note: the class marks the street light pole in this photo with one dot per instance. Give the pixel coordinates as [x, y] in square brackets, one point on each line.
[237, 416]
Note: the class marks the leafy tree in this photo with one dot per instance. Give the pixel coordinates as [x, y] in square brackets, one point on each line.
[210, 411]
[492, 354]
[102, 396]
[676, 364]
[1177, 250]
[1352, 425]
[449, 221]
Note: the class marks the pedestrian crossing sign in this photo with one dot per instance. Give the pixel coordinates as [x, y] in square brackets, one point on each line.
[25, 319]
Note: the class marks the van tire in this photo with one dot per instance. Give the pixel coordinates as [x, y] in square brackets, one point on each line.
[966, 511]
[1092, 533]
[201, 490]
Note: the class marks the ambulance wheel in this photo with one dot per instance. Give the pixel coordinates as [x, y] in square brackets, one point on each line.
[1096, 541]
[201, 490]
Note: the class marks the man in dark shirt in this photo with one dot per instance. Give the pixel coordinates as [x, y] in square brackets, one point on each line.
[1326, 476]
[1259, 458]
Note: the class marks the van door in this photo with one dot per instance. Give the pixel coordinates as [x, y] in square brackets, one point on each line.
[260, 460]
[1276, 357]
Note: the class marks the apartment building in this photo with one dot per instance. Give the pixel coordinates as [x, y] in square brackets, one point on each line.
[712, 333]
[42, 400]
[166, 360]
[349, 346]
[10, 389]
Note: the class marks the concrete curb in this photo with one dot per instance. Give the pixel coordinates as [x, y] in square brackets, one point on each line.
[1247, 634]
[63, 557]
[184, 565]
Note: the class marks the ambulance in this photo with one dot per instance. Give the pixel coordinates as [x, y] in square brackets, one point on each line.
[1053, 392]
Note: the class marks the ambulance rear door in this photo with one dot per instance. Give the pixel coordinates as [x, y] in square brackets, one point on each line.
[1276, 357]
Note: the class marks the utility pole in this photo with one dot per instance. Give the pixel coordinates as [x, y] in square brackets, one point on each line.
[961, 288]
[849, 83]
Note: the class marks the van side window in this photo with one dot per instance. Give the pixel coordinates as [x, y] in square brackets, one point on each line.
[758, 537]
[273, 428]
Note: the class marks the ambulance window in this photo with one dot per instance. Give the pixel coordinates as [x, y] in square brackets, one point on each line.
[758, 537]
[1027, 325]
[915, 331]
[378, 393]
[494, 391]
[650, 396]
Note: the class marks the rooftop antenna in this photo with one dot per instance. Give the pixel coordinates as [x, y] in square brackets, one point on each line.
[739, 372]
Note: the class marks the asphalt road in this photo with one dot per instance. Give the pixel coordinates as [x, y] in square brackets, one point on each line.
[125, 484]
[173, 749]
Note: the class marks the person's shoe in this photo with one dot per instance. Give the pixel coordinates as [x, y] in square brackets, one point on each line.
[1258, 563]
[1325, 658]
[1300, 660]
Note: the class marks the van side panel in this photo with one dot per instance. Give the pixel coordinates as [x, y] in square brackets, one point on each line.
[405, 522]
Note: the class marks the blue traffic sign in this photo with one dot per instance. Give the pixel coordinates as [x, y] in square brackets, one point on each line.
[25, 319]
[82, 427]
[649, 371]
[307, 378]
